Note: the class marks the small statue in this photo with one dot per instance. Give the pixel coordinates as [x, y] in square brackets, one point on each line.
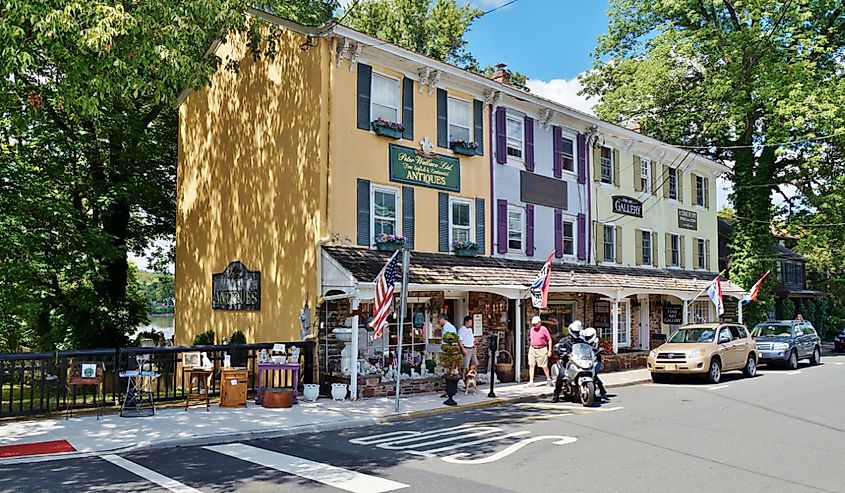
[263, 356]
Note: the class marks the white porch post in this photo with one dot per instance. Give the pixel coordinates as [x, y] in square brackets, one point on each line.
[518, 343]
[685, 317]
[614, 320]
[353, 369]
[739, 311]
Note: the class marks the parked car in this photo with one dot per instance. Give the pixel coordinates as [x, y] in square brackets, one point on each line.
[785, 342]
[839, 341]
[705, 349]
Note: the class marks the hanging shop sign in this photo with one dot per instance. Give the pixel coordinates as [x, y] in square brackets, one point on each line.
[687, 219]
[673, 314]
[627, 206]
[542, 190]
[417, 167]
[236, 288]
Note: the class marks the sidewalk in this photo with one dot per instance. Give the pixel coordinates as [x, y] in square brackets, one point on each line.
[86, 435]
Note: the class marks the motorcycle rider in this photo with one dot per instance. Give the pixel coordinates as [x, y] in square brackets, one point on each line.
[591, 337]
[563, 349]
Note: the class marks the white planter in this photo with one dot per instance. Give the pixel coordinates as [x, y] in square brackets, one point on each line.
[311, 392]
[338, 391]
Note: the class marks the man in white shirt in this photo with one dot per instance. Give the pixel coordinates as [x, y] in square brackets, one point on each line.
[446, 326]
[468, 347]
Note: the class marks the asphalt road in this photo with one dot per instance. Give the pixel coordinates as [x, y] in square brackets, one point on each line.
[780, 432]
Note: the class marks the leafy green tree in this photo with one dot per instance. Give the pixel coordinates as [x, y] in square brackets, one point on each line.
[736, 77]
[88, 136]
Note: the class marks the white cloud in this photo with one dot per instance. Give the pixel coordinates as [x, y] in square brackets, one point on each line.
[564, 92]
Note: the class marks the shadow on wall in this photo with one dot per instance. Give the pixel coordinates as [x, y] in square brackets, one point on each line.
[250, 162]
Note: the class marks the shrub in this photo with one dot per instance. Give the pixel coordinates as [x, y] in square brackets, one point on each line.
[204, 338]
[238, 337]
[451, 357]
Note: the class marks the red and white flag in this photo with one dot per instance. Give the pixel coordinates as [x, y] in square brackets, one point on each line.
[714, 291]
[755, 290]
[384, 295]
[540, 287]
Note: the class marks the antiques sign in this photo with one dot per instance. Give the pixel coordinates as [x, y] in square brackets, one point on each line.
[627, 206]
[416, 167]
[541, 190]
[236, 288]
[673, 314]
[687, 219]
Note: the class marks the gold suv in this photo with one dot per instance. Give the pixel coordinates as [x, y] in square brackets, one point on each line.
[705, 349]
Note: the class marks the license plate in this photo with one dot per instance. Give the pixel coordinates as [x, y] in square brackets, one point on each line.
[669, 367]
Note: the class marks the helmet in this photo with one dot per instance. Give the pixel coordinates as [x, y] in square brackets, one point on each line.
[575, 328]
[589, 335]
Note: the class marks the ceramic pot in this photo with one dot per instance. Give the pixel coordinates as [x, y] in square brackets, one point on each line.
[310, 392]
[339, 391]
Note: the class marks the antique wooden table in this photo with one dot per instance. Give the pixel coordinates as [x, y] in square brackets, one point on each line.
[263, 367]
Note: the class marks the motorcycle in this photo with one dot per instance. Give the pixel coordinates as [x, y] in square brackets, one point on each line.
[578, 375]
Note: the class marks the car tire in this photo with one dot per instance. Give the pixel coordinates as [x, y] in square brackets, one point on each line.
[659, 378]
[714, 372]
[792, 362]
[816, 358]
[750, 370]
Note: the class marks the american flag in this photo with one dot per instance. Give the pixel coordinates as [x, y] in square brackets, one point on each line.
[384, 295]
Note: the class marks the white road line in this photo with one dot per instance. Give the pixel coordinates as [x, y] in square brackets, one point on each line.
[337, 477]
[459, 458]
[840, 363]
[793, 372]
[434, 452]
[149, 475]
[719, 387]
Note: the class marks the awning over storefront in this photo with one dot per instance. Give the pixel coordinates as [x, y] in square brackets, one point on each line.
[348, 268]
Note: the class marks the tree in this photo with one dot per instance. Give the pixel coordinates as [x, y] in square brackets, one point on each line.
[89, 146]
[737, 78]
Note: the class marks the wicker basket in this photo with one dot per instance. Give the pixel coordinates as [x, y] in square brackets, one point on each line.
[505, 370]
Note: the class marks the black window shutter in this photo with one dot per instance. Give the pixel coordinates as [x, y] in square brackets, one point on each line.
[408, 226]
[408, 108]
[443, 221]
[478, 124]
[364, 236]
[442, 119]
[480, 225]
[365, 81]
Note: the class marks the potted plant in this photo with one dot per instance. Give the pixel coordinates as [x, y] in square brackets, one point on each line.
[465, 248]
[239, 356]
[464, 147]
[386, 128]
[389, 243]
[451, 359]
[204, 338]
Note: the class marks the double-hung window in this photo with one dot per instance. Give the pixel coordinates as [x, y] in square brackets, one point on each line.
[384, 214]
[673, 183]
[701, 251]
[568, 154]
[515, 229]
[460, 120]
[699, 190]
[515, 136]
[385, 98]
[606, 165]
[461, 220]
[675, 250]
[609, 242]
[645, 175]
[568, 230]
[647, 248]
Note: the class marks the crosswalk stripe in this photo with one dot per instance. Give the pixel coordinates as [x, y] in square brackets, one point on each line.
[337, 477]
[149, 475]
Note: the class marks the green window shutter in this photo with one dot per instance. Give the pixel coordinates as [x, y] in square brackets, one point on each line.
[480, 224]
[408, 108]
[443, 222]
[478, 126]
[707, 255]
[664, 181]
[680, 181]
[597, 164]
[616, 167]
[655, 251]
[694, 188]
[408, 222]
[599, 235]
[639, 246]
[442, 119]
[364, 234]
[618, 244]
[667, 239]
[682, 240]
[707, 193]
[654, 177]
[638, 175]
[365, 81]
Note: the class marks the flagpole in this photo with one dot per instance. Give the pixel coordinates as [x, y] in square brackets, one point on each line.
[403, 301]
[708, 285]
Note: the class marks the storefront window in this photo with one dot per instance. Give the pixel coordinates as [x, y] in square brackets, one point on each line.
[700, 312]
[559, 316]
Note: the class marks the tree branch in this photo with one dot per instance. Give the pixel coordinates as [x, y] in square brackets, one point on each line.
[732, 12]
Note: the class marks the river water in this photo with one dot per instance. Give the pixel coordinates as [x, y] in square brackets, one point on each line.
[159, 323]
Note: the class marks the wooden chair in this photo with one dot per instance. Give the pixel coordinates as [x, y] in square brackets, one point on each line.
[76, 379]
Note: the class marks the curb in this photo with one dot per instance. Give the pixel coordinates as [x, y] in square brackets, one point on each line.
[348, 424]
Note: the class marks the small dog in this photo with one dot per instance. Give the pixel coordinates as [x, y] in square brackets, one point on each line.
[470, 382]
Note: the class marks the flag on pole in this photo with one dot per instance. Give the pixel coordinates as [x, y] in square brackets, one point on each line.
[540, 287]
[384, 295]
[714, 291]
[755, 290]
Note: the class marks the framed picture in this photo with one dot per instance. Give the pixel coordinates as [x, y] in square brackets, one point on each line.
[191, 360]
[88, 370]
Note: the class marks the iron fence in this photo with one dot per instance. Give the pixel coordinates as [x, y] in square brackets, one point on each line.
[37, 383]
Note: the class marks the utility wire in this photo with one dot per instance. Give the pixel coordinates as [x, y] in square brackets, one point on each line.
[497, 8]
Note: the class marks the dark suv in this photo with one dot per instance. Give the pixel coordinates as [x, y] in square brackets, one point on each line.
[787, 341]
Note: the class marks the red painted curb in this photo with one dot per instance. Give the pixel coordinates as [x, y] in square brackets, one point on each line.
[37, 448]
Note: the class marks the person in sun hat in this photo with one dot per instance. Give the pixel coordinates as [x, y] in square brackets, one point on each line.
[539, 350]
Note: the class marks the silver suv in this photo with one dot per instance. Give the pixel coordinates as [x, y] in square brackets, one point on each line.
[786, 342]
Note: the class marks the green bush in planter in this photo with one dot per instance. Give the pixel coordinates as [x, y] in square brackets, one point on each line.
[204, 338]
[239, 356]
[430, 364]
[451, 358]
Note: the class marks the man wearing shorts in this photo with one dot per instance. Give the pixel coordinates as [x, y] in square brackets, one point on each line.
[540, 350]
[468, 347]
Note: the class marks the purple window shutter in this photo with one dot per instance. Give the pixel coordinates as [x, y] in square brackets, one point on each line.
[502, 225]
[557, 150]
[529, 230]
[501, 136]
[529, 143]
[582, 160]
[558, 233]
[582, 237]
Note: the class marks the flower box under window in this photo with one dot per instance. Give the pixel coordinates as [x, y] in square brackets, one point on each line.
[463, 147]
[389, 243]
[465, 248]
[385, 128]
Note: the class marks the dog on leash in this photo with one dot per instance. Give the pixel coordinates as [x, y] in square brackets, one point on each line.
[471, 382]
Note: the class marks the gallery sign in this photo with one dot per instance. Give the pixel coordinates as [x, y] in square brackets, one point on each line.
[627, 206]
[673, 314]
[687, 219]
[542, 190]
[236, 288]
[416, 167]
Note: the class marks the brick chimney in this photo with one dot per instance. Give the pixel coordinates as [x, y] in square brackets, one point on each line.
[501, 75]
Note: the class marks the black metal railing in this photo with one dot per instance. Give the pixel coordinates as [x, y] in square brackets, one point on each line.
[37, 383]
